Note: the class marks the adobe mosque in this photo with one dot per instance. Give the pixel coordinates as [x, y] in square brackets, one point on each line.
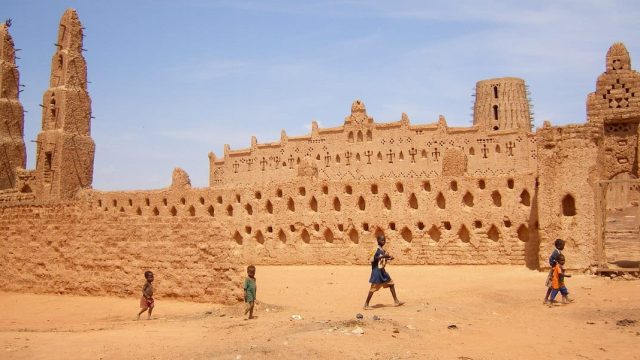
[493, 193]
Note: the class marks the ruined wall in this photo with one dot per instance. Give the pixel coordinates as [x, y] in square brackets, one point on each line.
[63, 248]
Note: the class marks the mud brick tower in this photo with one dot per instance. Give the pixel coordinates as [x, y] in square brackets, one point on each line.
[615, 106]
[65, 148]
[502, 104]
[12, 149]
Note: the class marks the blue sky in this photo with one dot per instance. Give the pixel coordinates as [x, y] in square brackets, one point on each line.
[173, 80]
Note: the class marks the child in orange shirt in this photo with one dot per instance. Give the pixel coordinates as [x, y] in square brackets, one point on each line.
[553, 259]
[557, 282]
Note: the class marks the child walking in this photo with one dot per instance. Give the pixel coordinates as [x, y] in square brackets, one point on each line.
[250, 289]
[558, 282]
[146, 301]
[379, 276]
[553, 259]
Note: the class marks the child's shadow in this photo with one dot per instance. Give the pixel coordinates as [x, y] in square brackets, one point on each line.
[379, 306]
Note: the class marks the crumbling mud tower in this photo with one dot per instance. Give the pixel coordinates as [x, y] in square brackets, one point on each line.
[65, 150]
[12, 149]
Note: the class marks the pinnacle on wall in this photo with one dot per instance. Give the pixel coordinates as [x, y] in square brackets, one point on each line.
[618, 57]
[358, 107]
[358, 114]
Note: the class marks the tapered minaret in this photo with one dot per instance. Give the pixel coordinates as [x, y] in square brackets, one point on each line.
[65, 153]
[12, 150]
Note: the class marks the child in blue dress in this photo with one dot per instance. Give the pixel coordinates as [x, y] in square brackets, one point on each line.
[379, 276]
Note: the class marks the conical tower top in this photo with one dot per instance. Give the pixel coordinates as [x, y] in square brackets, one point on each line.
[68, 66]
[8, 70]
[70, 32]
[618, 58]
[7, 50]
[358, 107]
[616, 97]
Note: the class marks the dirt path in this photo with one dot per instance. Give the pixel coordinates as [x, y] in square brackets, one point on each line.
[496, 310]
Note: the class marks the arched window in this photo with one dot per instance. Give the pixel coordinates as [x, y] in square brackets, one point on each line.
[52, 108]
[568, 205]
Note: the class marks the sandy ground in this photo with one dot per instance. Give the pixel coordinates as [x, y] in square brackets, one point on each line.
[497, 312]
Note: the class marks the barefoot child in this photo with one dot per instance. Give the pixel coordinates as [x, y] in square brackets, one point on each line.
[559, 246]
[146, 301]
[379, 277]
[250, 289]
[558, 282]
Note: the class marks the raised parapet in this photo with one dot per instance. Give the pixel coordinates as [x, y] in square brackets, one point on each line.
[502, 104]
[12, 149]
[617, 95]
[65, 151]
[358, 115]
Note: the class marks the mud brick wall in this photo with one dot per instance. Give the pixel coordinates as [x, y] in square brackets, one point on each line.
[64, 249]
[567, 166]
[445, 220]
